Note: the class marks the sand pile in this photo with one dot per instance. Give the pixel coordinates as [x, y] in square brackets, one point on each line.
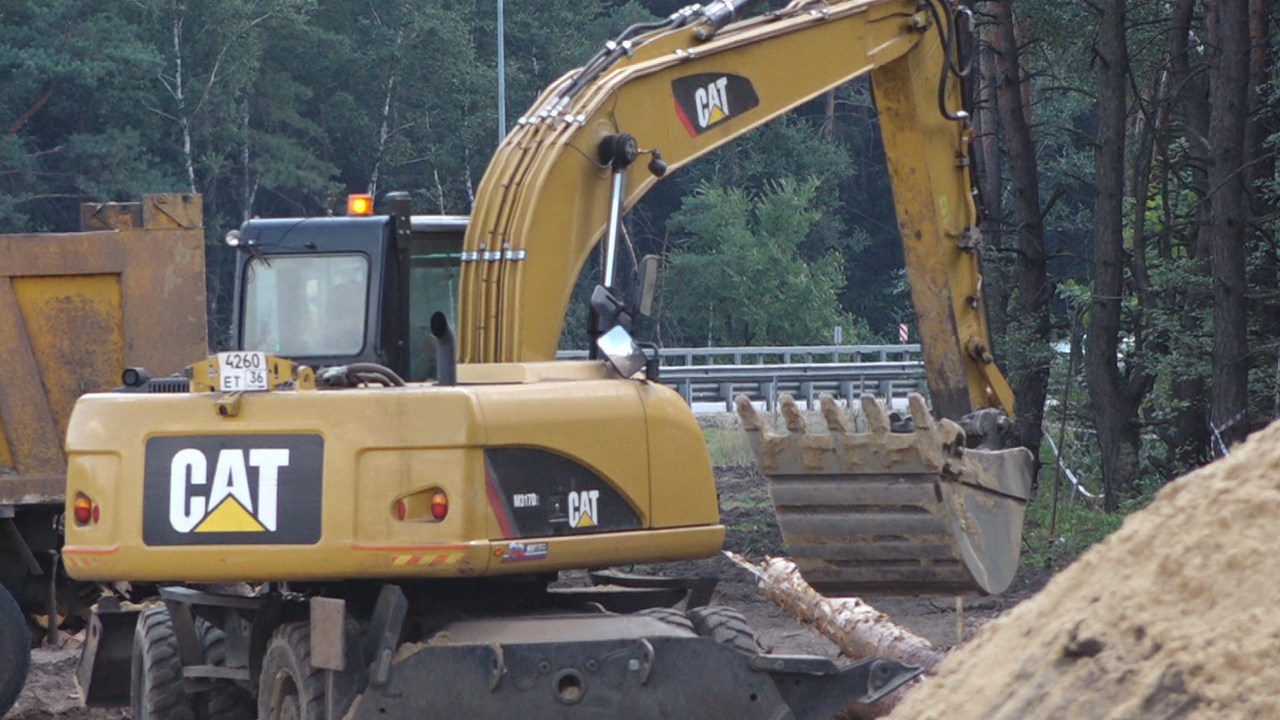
[1177, 615]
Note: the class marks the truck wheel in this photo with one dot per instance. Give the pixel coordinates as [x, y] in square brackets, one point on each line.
[155, 687]
[289, 688]
[726, 626]
[15, 651]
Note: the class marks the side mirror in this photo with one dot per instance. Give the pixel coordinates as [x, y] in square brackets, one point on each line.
[646, 282]
[621, 351]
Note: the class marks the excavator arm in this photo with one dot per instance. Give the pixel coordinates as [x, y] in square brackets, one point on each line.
[682, 89]
[878, 511]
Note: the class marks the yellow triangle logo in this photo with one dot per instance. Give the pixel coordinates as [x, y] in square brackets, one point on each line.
[585, 520]
[716, 116]
[230, 516]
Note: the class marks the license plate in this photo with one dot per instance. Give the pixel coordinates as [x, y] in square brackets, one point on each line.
[242, 371]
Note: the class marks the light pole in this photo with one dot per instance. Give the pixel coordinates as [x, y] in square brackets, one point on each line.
[502, 78]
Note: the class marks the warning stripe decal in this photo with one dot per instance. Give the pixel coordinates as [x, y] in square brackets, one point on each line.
[438, 560]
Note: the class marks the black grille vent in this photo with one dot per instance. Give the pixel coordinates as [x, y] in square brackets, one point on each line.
[167, 385]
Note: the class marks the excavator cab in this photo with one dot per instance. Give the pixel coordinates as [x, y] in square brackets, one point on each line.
[333, 291]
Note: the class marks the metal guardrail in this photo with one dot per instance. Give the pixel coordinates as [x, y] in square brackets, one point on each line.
[780, 354]
[715, 375]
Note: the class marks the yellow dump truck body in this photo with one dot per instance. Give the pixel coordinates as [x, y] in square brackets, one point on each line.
[78, 308]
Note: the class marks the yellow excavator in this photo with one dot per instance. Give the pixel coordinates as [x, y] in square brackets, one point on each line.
[343, 524]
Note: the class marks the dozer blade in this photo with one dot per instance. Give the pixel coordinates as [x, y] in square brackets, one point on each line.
[888, 513]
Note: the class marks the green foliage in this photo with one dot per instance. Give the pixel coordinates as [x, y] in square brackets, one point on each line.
[281, 107]
[70, 79]
[1058, 530]
[1052, 540]
[727, 446]
[740, 276]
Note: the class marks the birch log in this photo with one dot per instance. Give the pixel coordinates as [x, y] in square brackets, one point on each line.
[856, 628]
[859, 630]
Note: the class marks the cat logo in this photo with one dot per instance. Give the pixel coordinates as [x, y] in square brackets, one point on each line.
[584, 509]
[712, 102]
[229, 506]
[706, 100]
[251, 489]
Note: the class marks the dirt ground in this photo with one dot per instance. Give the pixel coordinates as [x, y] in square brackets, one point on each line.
[752, 531]
[51, 689]
[1172, 617]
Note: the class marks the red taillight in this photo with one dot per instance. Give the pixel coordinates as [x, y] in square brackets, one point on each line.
[439, 505]
[429, 505]
[84, 510]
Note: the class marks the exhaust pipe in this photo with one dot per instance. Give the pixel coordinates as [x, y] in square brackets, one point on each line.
[446, 357]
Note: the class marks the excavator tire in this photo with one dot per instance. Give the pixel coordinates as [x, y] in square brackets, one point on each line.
[726, 626]
[222, 703]
[156, 689]
[15, 651]
[670, 616]
[289, 688]
[885, 512]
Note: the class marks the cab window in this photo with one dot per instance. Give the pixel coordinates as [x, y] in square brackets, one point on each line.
[306, 305]
[433, 285]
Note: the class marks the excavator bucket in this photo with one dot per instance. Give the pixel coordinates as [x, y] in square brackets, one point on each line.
[892, 513]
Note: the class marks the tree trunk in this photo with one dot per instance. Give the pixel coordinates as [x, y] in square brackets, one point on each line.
[1263, 166]
[987, 168]
[180, 100]
[858, 629]
[385, 130]
[1189, 433]
[829, 116]
[1114, 408]
[1031, 306]
[1227, 22]
[249, 182]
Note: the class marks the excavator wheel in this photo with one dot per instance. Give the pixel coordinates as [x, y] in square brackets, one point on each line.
[222, 703]
[670, 616]
[726, 626]
[156, 689]
[289, 687]
[15, 651]
[886, 512]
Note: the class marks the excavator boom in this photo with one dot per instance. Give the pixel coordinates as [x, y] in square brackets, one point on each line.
[870, 512]
[544, 203]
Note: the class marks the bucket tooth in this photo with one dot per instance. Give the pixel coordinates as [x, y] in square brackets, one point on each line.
[773, 449]
[792, 415]
[751, 419]
[837, 420]
[920, 416]
[883, 512]
[877, 420]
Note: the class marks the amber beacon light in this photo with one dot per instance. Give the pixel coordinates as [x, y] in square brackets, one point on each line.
[360, 204]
